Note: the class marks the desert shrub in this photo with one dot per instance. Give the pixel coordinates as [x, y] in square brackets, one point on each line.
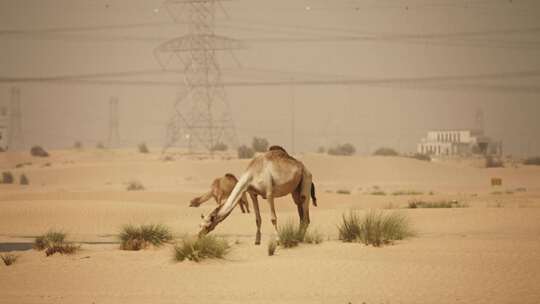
[198, 249]
[220, 147]
[321, 150]
[407, 192]
[245, 152]
[385, 152]
[8, 258]
[21, 165]
[38, 151]
[23, 180]
[140, 237]
[55, 242]
[259, 144]
[375, 228]
[422, 157]
[7, 177]
[342, 150]
[272, 246]
[135, 186]
[491, 162]
[378, 192]
[343, 191]
[532, 161]
[100, 145]
[313, 237]
[349, 229]
[291, 234]
[78, 145]
[143, 148]
[439, 204]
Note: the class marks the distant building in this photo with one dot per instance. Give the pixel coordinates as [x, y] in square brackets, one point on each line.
[458, 142]
[4, 122]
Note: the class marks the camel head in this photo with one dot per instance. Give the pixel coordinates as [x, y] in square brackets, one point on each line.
[209, 222]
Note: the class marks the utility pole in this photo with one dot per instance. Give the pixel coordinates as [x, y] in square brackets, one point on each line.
[201, 117]
[15, 134]
[113, 139]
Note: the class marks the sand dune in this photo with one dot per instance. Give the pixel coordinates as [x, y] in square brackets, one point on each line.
[487, 253]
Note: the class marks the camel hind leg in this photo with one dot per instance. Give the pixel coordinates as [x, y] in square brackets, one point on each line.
[258, 220]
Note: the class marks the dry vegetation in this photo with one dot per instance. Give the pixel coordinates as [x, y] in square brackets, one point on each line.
[375, 228]
[135, 186]
[291, 235]
[55, 242]
[143, 148]
[407, 192]
[7, 178]
[140, 237]
[8, 258]
[245, 152]
[197, 249]
[438, 204]
[38, 151]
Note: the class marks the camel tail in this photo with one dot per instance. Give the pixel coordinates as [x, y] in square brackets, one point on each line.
[313, 197]
[235, 196]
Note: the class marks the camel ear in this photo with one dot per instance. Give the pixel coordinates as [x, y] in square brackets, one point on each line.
[202, 216]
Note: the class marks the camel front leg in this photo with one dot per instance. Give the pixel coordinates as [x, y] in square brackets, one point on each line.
[257, 218]
[306, 196]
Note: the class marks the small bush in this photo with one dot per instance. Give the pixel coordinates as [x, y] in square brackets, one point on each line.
[407, 192]
[135, 186]
[259, 144]
[385, 152]
[21, 165]
[220, 147]
[137, 238]
[272, 246]
[491, 162]
[245, 152]
[313, 237]
[375, 228]
[378, 192]
[291, 235]
[321, 150]
[422, 157]
[100, 145]
[8, 258]
[343, 191]
[342, 150]
[77, 145]
[7, 177]
[55, 242]
[198, 249]
[440, 204]
[143, 148]
[38, 151]
[532, 161]
[23, 180]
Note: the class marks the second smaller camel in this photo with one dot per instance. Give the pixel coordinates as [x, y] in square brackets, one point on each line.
[220, 190]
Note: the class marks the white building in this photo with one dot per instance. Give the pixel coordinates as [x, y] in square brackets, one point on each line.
[458, 142]
[4, 123]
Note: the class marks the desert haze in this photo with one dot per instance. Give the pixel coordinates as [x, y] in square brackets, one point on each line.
[484, 252]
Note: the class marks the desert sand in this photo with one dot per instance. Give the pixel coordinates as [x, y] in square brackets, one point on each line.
[486, 253]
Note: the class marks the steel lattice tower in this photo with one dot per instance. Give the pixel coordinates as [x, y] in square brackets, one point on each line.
[15, 134]
[113, 139]
[201, 117]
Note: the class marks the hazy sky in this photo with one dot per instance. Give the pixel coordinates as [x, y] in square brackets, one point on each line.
[384, 39]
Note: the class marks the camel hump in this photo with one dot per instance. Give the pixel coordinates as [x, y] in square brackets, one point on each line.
[277, 148]
[231, 176]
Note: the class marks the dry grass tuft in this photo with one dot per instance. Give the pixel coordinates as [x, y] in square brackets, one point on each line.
[375, 228]
[8, 258]
[197, 249]
[135, 186]
[343, 191]
[7, 178]
[439, 204]
[291, 235]
[55, 242]
[140, 237]
[272, 246]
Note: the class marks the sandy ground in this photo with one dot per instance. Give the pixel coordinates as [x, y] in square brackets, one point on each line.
[487, 253]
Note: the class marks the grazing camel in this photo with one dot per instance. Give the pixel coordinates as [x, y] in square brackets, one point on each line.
[220, 190]
[272, 174]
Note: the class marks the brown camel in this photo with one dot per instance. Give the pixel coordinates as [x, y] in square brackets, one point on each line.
[220, 190]
[272, 174]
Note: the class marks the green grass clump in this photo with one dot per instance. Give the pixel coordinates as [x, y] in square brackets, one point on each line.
[55, 242]
[407, 192]
[8, 258]
[313, 237]
[439, 204]
[291, 235]
[198, 249]
[140, 237]
[375, 228]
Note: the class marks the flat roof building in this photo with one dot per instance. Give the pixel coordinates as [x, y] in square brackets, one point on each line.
[458, 142]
